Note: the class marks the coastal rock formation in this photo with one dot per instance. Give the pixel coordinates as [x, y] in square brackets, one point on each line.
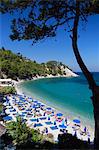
[69, 72]
[60, 69]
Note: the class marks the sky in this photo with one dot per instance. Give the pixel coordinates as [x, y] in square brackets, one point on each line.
[58, 48]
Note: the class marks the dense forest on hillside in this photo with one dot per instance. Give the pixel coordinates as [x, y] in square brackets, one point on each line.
[16, 66]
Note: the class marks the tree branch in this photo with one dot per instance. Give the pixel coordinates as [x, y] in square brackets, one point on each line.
[83, 67]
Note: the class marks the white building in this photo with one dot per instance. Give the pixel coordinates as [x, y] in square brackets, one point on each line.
[6, 82]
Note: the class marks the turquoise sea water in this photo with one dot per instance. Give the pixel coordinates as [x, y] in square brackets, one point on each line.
[69, 95]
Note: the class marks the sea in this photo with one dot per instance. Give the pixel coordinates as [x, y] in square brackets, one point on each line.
[70, 96]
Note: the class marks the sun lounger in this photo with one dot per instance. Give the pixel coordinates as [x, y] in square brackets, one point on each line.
[82, 133]
[76, 128]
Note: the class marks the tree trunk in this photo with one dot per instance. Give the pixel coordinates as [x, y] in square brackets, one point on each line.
[88, 75]
[95, 99]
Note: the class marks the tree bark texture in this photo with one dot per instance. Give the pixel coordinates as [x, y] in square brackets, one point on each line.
[92, 84]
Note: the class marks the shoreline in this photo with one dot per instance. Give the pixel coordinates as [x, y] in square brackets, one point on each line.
[70, 118]
[16, 83]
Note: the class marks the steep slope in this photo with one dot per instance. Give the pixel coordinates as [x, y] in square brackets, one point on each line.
[17, 67]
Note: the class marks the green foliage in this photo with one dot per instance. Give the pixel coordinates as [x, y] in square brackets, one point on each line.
[21, 134]
[36, 136]
[18, 131]
[1, 107]
[16, 66]
[54, 67]
[7, 90]
[37, 24]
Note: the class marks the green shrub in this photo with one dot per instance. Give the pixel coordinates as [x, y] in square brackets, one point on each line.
[7, 90]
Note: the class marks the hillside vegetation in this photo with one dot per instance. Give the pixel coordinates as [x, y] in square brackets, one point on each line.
[16, 66]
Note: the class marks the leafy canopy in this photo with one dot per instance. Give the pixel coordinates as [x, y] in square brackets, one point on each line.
[37, 19]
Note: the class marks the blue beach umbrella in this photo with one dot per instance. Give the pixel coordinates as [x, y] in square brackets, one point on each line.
[7, 118]
[76, 121]
[59, 114]
[62, 126]
[24, 112]
[28, 110]
[34, 106]
[38, 103]
[19, 103]
[49, 108]
[35, 101]
[42, 105]
[12, 110]
[33, 120]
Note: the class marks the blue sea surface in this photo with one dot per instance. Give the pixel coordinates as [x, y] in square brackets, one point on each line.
[69, 95]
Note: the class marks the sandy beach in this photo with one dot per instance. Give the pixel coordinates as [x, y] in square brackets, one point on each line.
[90, 130]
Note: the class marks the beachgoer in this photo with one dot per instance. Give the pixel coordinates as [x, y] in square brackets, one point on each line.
[46, 130]
[66, 120]
[54, 122]
[75, 134]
